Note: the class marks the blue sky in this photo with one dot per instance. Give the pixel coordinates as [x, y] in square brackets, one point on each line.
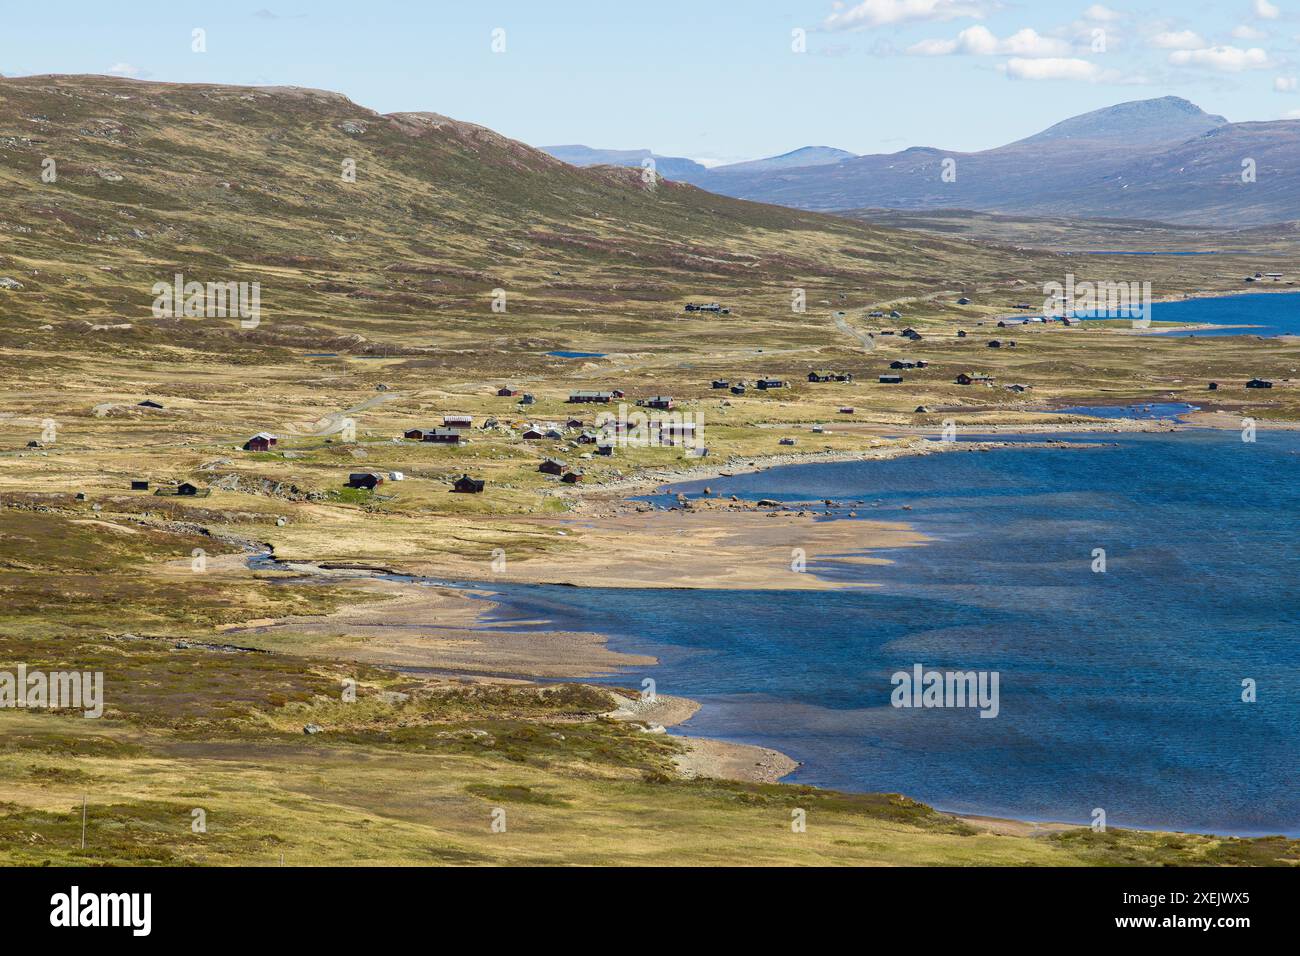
[717, 80]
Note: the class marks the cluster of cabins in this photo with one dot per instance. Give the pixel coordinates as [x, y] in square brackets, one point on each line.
[184, 489]
[450, 432]
[509, 391]
[739, 388]
[453, 427]
[908, 333]
[595, 398]
[558, 468]
[370, 480]
[534, 432]
[1010, 321]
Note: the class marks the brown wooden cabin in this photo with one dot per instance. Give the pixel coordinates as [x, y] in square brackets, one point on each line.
[444, 436]
[466, 485]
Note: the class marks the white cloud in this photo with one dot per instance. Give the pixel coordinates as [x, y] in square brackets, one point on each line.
[1101, 13]
[1265, 10]
[1180, 40]
[123, 69]
[980, 41]
[1286, 84]
[1029, 42]
[1052, 68]
[1226, 59]
[879, 13]
[1247, 32]
[933, 48]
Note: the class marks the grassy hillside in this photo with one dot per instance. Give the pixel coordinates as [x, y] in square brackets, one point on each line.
[228, 183]
[1091, 235]
[377, 307]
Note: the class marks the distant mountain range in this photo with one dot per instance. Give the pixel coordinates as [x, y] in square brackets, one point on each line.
[670, 167]
[688, 170]
[807, 156]
[1160, 159]
[1137, 123]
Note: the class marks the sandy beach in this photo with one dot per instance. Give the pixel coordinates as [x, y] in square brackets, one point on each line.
[917, 443]
[435, 630]
[397, 629]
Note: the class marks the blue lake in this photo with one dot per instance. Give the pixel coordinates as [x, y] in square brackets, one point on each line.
[1120, 690]
[576, 355]
[1273, 313]
[1268, 313]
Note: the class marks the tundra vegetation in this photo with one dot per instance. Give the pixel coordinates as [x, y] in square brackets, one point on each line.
[376, 300]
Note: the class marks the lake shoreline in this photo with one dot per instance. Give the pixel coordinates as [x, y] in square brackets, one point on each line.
[1211, 294]
[992, 818]
[921, 443]
[718, 756]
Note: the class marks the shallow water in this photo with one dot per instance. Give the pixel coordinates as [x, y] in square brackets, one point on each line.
[1143, 412]
[1120, 690]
